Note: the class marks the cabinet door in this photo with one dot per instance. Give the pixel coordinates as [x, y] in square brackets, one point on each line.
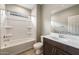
[61, 52]
[48, 49]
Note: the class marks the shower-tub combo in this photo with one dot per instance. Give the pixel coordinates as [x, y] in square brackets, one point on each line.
[17, 32]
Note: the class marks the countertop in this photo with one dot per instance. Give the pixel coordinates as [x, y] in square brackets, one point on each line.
[67, 40]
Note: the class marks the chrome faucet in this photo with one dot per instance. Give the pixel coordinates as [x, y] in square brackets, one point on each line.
[61, 36]
[60, 32]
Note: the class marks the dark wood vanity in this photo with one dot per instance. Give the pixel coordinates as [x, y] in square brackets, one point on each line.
[52, 47]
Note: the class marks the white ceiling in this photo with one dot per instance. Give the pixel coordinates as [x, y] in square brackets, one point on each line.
[29, 6]
[58, 7]
[55, 7]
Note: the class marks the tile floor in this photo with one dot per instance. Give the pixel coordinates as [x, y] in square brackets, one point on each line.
[28, 52]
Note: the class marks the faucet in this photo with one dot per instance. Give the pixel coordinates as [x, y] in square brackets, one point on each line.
[60, 32]
[61, 36]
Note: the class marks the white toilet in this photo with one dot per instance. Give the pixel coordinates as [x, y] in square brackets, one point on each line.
[37, 46]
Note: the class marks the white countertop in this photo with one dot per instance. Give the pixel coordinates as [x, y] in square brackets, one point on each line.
[68, 40]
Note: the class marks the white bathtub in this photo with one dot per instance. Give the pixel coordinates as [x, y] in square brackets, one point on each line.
[16, 47]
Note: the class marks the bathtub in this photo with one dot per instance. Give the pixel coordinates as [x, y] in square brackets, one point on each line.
[18, 46]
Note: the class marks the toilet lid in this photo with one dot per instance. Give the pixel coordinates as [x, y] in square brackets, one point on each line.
[39, 44]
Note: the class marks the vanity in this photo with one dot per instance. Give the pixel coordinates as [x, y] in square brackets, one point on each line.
[53, 45]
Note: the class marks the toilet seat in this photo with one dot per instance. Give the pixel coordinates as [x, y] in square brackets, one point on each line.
[38, 45]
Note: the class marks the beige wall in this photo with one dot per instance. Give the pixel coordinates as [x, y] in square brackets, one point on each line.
[46, 11]
[36, 12]
[39, 24]
[2, 6]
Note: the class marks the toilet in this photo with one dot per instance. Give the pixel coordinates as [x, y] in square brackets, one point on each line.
[38, 47]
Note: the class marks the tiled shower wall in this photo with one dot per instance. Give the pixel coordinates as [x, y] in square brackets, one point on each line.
[16, 27]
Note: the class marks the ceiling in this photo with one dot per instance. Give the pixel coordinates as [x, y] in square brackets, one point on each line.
[28, 6]
[55, 7]
[58, 7]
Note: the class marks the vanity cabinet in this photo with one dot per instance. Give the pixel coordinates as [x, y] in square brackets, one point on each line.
[48, 49]
[52, 47]
[61, 52]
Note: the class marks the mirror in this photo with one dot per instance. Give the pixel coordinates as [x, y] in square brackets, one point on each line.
[59, 26]
[66, 21]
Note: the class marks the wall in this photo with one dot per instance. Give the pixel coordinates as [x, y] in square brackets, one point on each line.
[0, 27]
[39, 22]
[46, 11]
[36, 12]
[2, 6]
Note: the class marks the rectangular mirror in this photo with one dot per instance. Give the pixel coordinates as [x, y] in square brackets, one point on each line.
[66, 21]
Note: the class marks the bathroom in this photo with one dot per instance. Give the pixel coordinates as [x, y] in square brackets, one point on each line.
[39, 29]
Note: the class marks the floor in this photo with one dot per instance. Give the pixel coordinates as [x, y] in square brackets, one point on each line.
[28, 52]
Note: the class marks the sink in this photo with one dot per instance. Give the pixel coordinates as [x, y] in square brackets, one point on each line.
[60, 37]
[57, 35]
[64, 37]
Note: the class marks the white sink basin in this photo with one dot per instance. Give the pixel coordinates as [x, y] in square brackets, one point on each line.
[64, 37]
